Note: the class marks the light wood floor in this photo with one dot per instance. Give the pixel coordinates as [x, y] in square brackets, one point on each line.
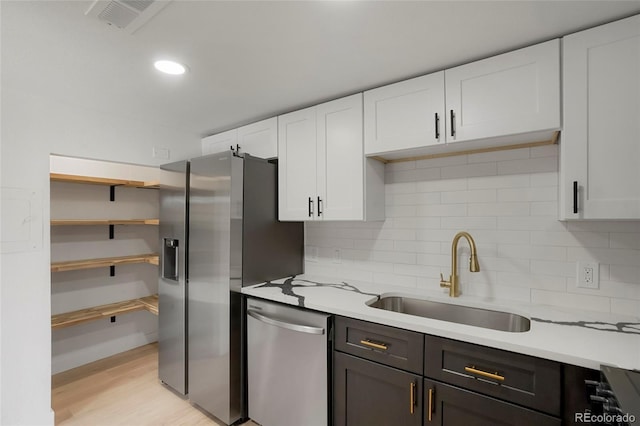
[121, 390]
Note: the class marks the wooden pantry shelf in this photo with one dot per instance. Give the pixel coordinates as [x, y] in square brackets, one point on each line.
[72, 265]
[150, 303]
[66, 222]
[93, 180]
[68, 319]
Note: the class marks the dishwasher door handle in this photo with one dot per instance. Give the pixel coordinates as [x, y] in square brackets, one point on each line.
[289, 326]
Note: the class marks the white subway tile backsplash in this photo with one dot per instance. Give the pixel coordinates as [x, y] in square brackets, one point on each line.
[604, 226]
[538, 193]
[566, 239]
[544, 179]
[473, 196]
[441, 210]
[500, 264]
[373, 244]
[609, 256]
[625, 274]
[511, 154]
[544, 282]
[628, 240]
[508, 201]
[416, 223]
[400, 211]
[417, 246]
[469, 170]
[430, 259]
[455, 160]
[552, 267]
[625, 307]
[499, 209]
[497, 182]
[525, 251]
[544, 208]
[570, 300]
[531, 165]
[495, 291]
[414, 199]
[609, 289]
[468, 222]
[442, 185]
[393, 257]
[400, 188]
[396, 234]
[412, 175]
[533, 223]
[394, 279]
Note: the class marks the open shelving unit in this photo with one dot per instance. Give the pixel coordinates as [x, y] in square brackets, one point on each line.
[68, 319]
[110, 310]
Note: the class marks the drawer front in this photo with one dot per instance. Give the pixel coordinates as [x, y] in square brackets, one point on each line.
[387, 345]
[524, 380]
[446, 405]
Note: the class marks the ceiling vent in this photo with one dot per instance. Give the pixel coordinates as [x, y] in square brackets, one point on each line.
[128, 15]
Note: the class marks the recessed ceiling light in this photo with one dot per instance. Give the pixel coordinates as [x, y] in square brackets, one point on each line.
[170, 67]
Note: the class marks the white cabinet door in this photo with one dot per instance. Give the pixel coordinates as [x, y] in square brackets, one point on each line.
[340, 159]
[297, 165]
[260, 139]
[600, 146]
[220, 142]
[513, 93]
[404, 115]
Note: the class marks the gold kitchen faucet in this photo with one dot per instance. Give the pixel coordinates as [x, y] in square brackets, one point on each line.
[474, 266]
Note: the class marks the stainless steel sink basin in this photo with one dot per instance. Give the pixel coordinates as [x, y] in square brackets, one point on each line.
[478, 317]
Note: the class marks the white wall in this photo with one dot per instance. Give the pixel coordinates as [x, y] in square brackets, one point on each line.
[508, 201]
[32, 128]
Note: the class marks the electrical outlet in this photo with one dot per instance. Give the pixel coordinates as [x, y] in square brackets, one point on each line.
[588, 275]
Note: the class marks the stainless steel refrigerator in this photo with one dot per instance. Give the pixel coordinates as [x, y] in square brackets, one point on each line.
[172, 285]
[234, 240]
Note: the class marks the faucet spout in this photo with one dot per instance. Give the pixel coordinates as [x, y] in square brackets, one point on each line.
[474, 266]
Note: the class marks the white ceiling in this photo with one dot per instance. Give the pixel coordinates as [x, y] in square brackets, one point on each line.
[252, 60]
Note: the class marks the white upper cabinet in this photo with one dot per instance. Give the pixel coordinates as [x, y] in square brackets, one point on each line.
[405, 115]
[509, 94]
[219, 142]
[503, 100]
[600, 146]
[297, 165]
[258, 139]
[322, 171]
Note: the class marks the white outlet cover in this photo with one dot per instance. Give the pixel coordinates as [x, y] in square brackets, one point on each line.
[588, 275]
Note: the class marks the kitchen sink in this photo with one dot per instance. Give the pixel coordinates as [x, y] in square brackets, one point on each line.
[477, 317]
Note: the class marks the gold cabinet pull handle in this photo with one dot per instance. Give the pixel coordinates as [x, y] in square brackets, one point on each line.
[430, 405]
[494, 376]
[377, 345]
[412, 396]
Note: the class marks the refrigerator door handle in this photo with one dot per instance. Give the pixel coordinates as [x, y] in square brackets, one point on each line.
[289, 326]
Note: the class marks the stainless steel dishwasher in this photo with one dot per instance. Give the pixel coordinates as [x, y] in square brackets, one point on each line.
[287, 363]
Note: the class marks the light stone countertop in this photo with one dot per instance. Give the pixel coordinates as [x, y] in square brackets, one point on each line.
[582, 338]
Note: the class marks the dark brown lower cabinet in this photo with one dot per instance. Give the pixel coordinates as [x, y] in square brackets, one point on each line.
[448, 405]
[367, 394]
